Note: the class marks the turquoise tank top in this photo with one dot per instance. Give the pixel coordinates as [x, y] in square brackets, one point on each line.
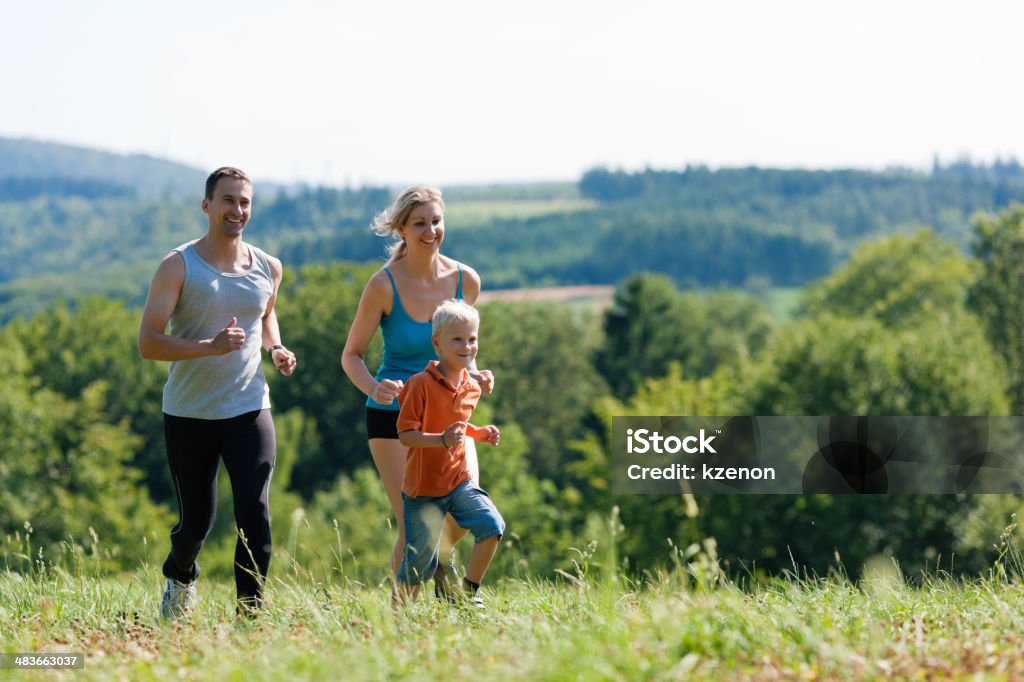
[407, 347]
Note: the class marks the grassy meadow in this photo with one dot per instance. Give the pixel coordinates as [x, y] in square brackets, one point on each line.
[782, 302]
[480, 212]
[590, 623]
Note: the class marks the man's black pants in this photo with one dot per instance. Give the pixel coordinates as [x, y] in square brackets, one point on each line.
[194, 450]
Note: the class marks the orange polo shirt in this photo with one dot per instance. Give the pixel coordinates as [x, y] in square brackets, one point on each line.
[430, 404]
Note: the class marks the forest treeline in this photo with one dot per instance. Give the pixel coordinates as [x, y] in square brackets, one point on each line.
[908, 325]
[738, 227]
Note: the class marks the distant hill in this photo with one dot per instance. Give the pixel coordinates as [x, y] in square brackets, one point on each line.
[137, 174]
[68, 225]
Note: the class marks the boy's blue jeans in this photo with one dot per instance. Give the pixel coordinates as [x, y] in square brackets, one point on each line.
[469, 505]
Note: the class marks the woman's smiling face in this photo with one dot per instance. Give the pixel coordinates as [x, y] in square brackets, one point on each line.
[425, 227]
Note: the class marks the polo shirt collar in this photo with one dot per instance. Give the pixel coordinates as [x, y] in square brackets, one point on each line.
[433, 371]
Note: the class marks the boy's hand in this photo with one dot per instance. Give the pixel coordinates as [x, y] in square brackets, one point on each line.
[386, 391]
[485, 378]
[454, 435]
[485, 434]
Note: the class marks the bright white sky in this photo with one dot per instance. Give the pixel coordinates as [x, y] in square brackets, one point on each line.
[471, 91]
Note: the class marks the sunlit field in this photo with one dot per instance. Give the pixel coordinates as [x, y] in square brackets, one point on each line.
[590, 623]
[470, 213]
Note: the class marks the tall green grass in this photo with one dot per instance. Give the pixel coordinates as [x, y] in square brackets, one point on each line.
[589, 622]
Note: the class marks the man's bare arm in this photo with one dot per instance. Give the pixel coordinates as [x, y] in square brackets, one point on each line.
[284, 360]
[155, 343]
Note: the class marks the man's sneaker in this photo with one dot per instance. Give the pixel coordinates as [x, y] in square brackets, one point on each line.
[248, 607]
[179, 599]
[475, 602]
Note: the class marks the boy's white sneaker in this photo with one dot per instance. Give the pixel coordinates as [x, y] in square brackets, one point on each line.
[471, 596]
[179, 599]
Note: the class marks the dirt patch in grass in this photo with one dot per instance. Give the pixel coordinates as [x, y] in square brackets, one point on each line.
[590, 292]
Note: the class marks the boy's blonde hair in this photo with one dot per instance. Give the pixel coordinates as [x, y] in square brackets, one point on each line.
[450, 311]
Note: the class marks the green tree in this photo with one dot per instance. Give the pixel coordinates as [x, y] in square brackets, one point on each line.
[841, 366]
[539, 513]
[642, 332]
[315, 308]
[544, 381]
[71, 347]
[651, 521]
[66, 471]
[724, 328]
[997, 295]
[650, 325]
[897, 281]
[888, 335]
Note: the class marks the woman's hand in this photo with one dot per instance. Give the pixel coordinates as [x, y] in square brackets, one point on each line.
[485, 378]
[385, 392]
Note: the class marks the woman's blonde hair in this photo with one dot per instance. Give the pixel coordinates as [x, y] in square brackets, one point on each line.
[387, 222]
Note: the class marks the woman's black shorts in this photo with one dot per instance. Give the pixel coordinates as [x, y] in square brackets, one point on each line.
[381, 423]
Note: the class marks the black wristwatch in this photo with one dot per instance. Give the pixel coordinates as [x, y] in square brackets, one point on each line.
[276, 346]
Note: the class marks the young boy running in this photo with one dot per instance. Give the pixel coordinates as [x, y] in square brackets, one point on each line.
[433, 422]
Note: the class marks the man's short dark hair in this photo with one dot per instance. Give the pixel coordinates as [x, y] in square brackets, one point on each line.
[223, 172]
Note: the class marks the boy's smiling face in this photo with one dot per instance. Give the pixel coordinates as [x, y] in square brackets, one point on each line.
[456, 344]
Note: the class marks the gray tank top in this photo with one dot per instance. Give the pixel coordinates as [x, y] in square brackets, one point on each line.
[219, 386]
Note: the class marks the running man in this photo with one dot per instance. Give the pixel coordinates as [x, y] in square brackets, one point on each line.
[217, 293]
